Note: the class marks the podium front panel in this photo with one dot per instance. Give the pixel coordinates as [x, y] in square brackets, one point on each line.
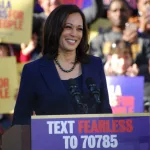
[88, 132]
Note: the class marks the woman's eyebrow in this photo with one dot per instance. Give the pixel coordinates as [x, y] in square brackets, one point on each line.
[73, 25]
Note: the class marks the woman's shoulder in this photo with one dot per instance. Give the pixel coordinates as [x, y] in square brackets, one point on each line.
[94, 59]
[32, 67]
[36, 63]
[33, 64]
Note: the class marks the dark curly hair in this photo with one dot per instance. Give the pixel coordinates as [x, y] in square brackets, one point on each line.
[53, 29]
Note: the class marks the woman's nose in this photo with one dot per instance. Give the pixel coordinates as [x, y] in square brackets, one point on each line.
[118, 13]
[73, 32]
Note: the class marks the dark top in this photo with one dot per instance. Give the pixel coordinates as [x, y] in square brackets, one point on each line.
[80, 106]
[78, 80]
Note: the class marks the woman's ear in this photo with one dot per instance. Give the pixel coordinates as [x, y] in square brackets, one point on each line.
[108, 14]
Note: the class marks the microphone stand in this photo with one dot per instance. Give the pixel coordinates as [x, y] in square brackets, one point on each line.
[76, 94]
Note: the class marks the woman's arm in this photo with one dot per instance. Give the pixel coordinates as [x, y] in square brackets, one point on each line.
[105, 106]
[24, 104]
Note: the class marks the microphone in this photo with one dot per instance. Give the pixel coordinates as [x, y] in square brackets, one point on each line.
[95, 92]
[74, 90]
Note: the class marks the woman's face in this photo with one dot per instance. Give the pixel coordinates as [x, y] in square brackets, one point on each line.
[143, 5]
[118, 13]
[49, 5]
[120, 64]
[72, 33]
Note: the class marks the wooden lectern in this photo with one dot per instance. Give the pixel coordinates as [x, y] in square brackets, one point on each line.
[17, 138]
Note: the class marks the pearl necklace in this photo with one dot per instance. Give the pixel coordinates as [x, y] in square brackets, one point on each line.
[64, 70]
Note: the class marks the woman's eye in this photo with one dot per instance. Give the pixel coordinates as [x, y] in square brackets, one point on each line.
[81, 29]
[67, 27]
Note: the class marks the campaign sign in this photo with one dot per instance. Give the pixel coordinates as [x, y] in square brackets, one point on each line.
[80, 3]
[8, 84]
[88, 132]
[126, 94]
[16, 21]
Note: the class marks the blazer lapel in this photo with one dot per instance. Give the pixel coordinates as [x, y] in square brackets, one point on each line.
[51, 77]
[85, 74]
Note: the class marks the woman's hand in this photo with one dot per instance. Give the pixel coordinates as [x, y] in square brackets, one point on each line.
[132, 71]
[107, 68]
[130, 33]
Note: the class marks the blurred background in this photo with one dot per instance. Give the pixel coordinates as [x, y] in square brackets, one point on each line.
[119, 33]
